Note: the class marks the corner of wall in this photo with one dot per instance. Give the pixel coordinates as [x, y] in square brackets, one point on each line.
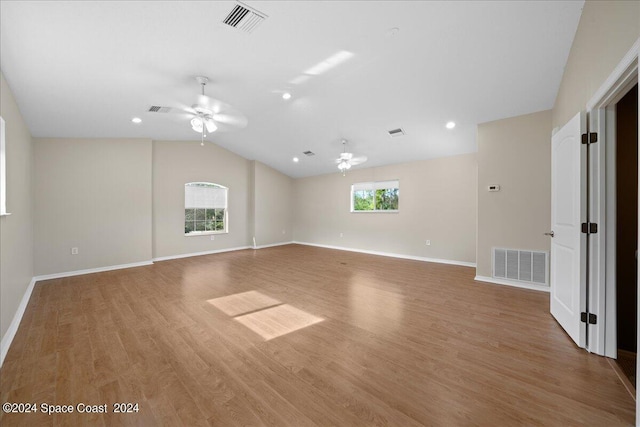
[16, 235]
[515, 154]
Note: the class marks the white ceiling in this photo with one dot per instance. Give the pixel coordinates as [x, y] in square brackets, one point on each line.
[84, 69]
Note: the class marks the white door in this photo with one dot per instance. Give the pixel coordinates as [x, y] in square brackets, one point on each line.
[568, 212]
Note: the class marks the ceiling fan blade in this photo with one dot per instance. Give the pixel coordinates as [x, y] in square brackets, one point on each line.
[179, 115]
[238, 121]
[215, 105]
[204, 101]
[358, 160]
[227, 117]
[346, 156]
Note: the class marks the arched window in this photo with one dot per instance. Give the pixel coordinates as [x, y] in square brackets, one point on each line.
[205, 208]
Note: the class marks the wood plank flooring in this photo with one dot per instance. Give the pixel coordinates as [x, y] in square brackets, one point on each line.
[392, 343]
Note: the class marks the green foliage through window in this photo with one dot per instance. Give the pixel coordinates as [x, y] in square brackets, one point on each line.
[387, 199]
[203, 220]
[363, 200]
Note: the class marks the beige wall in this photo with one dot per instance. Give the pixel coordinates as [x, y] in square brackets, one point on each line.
[272, 205]
[606, 31]
[16, 231]
[93, 194]
[514, 153]
[174, 164]
[437, 202]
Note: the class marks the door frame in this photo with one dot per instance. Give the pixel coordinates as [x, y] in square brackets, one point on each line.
[602, 279]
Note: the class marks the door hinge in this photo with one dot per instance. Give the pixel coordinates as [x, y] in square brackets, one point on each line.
[590, 138]
[589, 318]
[589, 227]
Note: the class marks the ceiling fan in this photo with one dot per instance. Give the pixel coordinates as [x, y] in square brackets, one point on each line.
[209, 115]
[346, 160]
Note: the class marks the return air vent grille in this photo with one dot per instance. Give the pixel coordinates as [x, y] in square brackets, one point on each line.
[244, 18]
[524, 266]
[158, 109]
[396, 132]
[308, 153]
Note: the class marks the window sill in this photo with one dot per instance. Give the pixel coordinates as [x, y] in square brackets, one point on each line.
[371, 212]
[5, 214]
[205, 233]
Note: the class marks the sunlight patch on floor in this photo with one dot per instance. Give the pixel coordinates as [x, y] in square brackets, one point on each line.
[277, 321]
[245, 302]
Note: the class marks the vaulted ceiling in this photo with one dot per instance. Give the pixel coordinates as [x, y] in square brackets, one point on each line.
[84, 69]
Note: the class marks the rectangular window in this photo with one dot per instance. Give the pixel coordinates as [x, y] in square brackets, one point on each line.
[205, 208]
[381, 196]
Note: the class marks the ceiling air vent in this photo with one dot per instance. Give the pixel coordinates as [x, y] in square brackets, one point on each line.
[244, 18]
[396, 132]
[309, 153]
[158, 109]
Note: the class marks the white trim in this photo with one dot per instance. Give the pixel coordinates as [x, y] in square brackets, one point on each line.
[216, 251]
[522, 285]
[391, 255]
[602, 177]
[91, 270]
[272, 245]
[611, 86]
[617, 84]
[15, 323]
[609, 315]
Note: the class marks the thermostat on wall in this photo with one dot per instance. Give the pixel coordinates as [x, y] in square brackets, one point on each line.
[494, 187]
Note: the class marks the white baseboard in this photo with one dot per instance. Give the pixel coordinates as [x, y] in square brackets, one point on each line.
[90, 270]
[216, 251]
[392, 255]
[273, 244]
[523, 285]
[15, 323]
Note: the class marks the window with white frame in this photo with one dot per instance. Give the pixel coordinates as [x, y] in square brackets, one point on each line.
[380, 196]
[205, 208]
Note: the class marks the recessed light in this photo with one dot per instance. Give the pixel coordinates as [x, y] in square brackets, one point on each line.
[296, 160]
[286, 95]
[136, 120]
[450, 125]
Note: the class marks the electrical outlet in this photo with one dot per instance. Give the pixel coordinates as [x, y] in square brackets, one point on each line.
[341, 234]
[213, 237]
[284, 231]
[74, 251]
[428, 243]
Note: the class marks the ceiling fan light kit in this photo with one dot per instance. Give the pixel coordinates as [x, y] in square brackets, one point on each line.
[204, 116]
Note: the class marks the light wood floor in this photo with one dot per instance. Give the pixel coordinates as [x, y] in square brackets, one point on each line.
[371, 341]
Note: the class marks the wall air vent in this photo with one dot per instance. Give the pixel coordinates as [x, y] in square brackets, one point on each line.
[524, 266]
[309, 153]
[396, 132]
[158, 109]
[244, 18]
